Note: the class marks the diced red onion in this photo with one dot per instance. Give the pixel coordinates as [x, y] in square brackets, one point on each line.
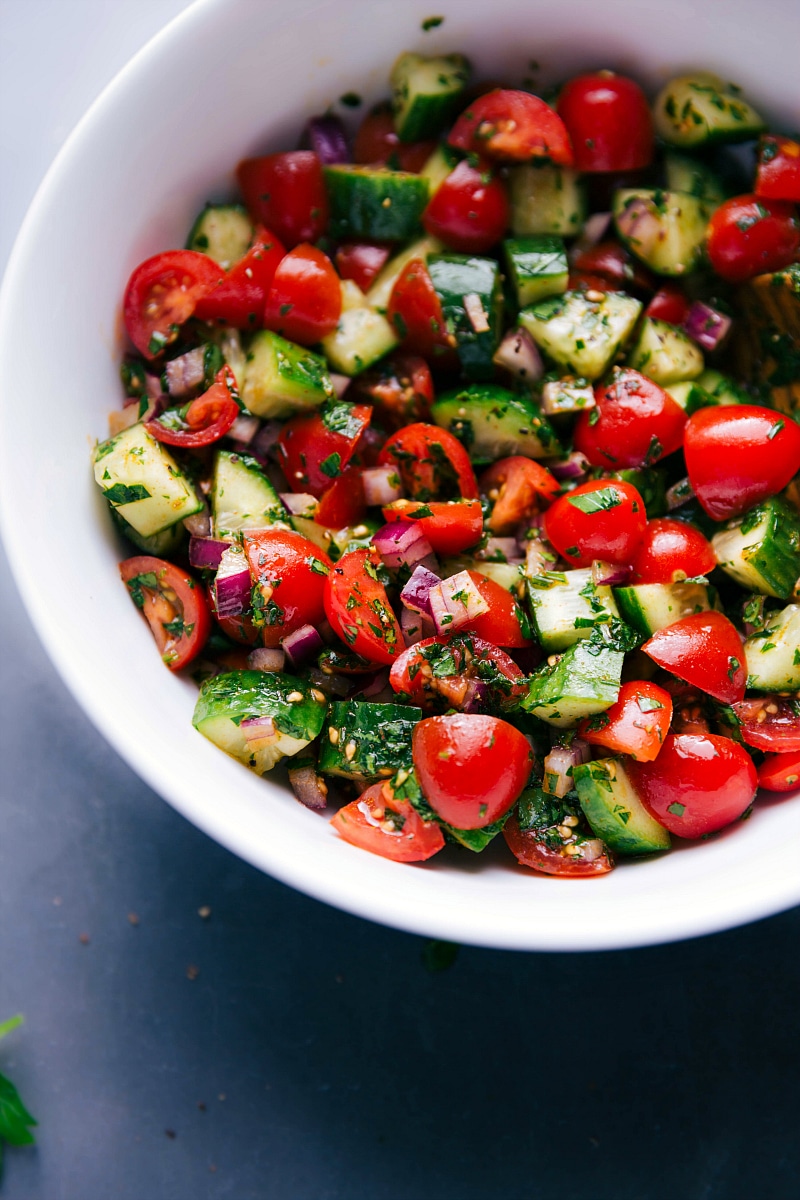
[244, 429]
[300, 504]
[555, 388]
[706, 325]
[402, 544]
[206, 553]
[255, 728]
[199, 523]
[456, 601]
[327, 138]
[527, 658]
[340, 383]
[637, 222]
[591, 849]
[375, 685]
[679, 493]
[325, 631]
[152, 387]
[265, 658]
[123, 418]
[606, 574]
[499, 549]
[334, 685]
[415, 626]
[476, 313]
[232, 586]
[186, 373]
[558, 766]
[476, 697]
[266, 438]
[302, 644]
[519, 354]
[381, 485]
[594, 230]
[309, 788]
[538, 558]
[416, 594]
[574, 466]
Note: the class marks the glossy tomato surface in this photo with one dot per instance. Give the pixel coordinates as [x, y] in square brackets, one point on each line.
[751, 235]
[377, 143]
[343, 502]
[515, 485]
[415, 311]
[770, 723]
[469, 211]
[637, 724]
[379, 822]
[609, 122]
[635, 423]
[289, 574]
[778, 175]
[450, 526]
[706, 650]
[314, 448]
[671, 551]
[361, 262]
[537, 837]
[669, 304]
[305, 300]
[431, 462]
[203, 421]
[358, 608]
[780, 772]
[612, 262]
[172, 603]
[286, 192]
[503, 623]
[512, 126]
[161, 295]
[239, 298]
[600, 519]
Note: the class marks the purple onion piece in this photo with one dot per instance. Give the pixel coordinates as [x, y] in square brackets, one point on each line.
[519, 354]
[232, 586]
[199, 523]
[416, 594]
[340, 383]
[574, 466]
[558, 766]
[327, 138]
[264, 658]
[244, 429]
[300, 504]
[606, 574]
[381, 485]
[679, 493]
[255, 728]
[375, 685]
[640, 224]
[309, 788]
[415, 626]
[186, 374]
[402, 543]
[333, 685]
[456, 601]
[594, 231]
[266, 438]
[706, 325]
[206, 552]
[301, 645]
[477, 697]
[538, 558]
[500, 549]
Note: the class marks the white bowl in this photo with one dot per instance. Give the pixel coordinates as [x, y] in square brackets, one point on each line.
[226, 79]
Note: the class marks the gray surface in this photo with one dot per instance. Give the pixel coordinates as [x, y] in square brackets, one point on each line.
[331, 1063]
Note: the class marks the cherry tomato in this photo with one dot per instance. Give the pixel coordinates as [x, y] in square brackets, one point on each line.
[377, 143]
[738, 455]
[286, 192]
[174, 605]
[471, 767]
[778, 174]
[377, 821]
[461, 662]
[450, 526]
[314, 448]
[512, 126]
[636, 725]
[362, 262]
[698, 784]
[535, 835]
[669, 304]
[609, 122]
[289, 575]
[613, 262]
[501, 624]
[706, 650]
[514, 485]
[343, 502]
[431, 462]
[770, 723]
[749, 236]
[583, 281]
[401, 389]
[415, 311]
[239, 298]
[780, 772]
[469, 211]
[635, 423]
[357, 607]
[602, 519]
[305, 301]
[201, 421]
[672, 551]
[161, 295]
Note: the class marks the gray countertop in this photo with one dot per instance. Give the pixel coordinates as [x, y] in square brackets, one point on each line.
[275, 1048]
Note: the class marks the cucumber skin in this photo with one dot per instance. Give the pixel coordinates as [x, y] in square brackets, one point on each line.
[453, 277]
[622, 822]
[492, 424]
[358, 209]
[381, 734]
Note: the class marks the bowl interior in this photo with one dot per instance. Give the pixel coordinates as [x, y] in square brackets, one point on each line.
[226, 79]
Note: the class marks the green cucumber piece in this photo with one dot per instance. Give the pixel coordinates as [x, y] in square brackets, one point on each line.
[649, 607]
[668, 231]
[665, 353]
[541, 813]
[580, 334]
[362, 335]
[336, 542]
[508, 575]
[690, 395]
[614, 811]
[367, 742]
[537, 267]
[773, 654]
[471, 295]
[546, 199]
[242, 497]
[693, 110]
[583, 681]
[566, 606]
[142, 480]
[685, 174]
[567, 396]
[379, 294]
[722, 389]
[440, 164]
[492, 422]
[650, 483]
[166, 544]
[375, 203]
[761, 549]
[426, 93]
[282, 378]
[223, 232]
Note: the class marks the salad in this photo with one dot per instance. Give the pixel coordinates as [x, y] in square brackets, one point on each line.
[458, 461]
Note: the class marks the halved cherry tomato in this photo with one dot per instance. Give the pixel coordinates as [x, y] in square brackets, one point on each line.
[669, 304]
[535, 835]
[401, 389]
[770, 723]
[358, 608]
[636, 725]
[449, 525]
[635, 423]
[469, 210]
[377, 821]
[612, 261]
[305, 301]
[751, 235]
[286, 192]
[431, 462]
[698, 784]
[609, 122]
[174, 605]
[780, 772]
[161, 295]
[778, 174]
[672, 551]
[706, 650]
[415, 311]
[343, 502]
[512, 126]
[289, 576]
[471, 767]
[444, 672]
[501, 624]
[361, 262]
[583, 281]
[738, 455]
[601, 518]
[239, 298]
[201, 421]
[377, 143]
[314, 448]
[514, 485]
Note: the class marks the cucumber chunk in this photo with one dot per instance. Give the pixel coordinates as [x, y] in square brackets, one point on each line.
[166, 544]
[583, 681]
[580, 334]
[761, 549]
[694, 110]
[282, 378]
[546, 199]
[383, 285]
[242, 497]
[426, 93]
[336, 542]
[290, 716]
[614, 811]
[507, 574]
[685, 174]
[722, 389]
[690, 395]
[375, 203]
[470, 292]
[223, 232]
[142, 480]
[366, 742]
[567, 605]
[665, 353]
[666, 230]
[537, 267]
[773, 654]
[438, 167]
[650, 483]
[493, 422]
[649, 607]
[362, 335]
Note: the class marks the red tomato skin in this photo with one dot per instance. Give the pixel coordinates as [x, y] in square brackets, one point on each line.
[421, 472]
[611, 535]
[500, 625]
[366, 823]
[671, 551]
[633, 727]
[171, 284]
[469, 211]
[286, 192]
[415, 311]
[770, 723]
[350, 579]
[613, 262]
[305, 442]
[401, 389]
[209, 417]
[706, 650]
[519, 482]
[453, 526]
[697, 785]
[192, 606]
[408, 674]
[751, 235]
[377, 143]
[780, 772]
[738, 455]
[635, 423]
[361, 262]
[282, 559]
[530, 851]
[343, 502]
[305, 301]
[512, 126]
[471, 767]
[778, 174]
[239, 298]
[609, 122]
[669, 304]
